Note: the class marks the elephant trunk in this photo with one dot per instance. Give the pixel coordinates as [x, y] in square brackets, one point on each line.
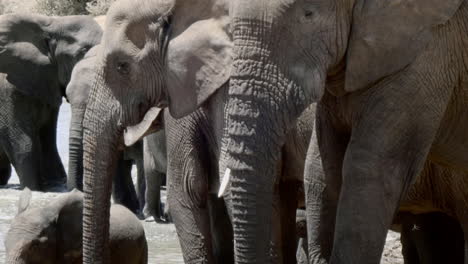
[262, 105]
[101, 142]
[75, 163]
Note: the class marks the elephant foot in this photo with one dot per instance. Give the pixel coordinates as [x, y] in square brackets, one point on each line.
[5, 174]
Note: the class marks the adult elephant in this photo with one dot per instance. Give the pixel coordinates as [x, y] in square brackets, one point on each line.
[391, 80]
[150, 162]
[37, 55]
[177, 53]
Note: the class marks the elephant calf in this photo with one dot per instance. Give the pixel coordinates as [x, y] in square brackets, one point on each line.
[53, 234]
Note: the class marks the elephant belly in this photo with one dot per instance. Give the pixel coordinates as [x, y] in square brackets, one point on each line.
[451, 143]
[437, 189]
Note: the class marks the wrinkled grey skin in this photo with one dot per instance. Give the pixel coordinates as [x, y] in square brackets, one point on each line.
[149, 161]
[390, 78]
[431, 238]
[52, 234]
[37, 54]
[77, 93]
[191, 73]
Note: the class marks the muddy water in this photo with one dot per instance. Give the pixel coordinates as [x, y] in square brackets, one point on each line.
[162, 239]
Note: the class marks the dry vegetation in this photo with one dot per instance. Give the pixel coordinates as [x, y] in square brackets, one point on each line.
[56, 7]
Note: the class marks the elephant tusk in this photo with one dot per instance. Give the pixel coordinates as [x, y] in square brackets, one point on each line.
[224, 182]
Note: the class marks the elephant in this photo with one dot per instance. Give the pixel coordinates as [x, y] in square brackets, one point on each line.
[150, 162]
[52, 234]
[37, 55]
[390, 80]
[164, 56]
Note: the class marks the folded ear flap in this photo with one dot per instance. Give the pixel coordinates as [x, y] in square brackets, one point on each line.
[25, 56]
[388, 34]
[152, 122]
[199, 62]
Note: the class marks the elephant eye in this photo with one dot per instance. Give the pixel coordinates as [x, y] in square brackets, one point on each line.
[123, 67]
[308, 13]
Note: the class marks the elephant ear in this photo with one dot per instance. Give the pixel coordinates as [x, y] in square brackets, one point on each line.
[25, 56]
[387, 35]
[199, 62]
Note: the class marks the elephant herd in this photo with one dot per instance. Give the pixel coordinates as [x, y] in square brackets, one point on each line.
[352, 112]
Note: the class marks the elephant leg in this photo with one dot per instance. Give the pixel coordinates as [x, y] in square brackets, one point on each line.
[221, 229]
[288, 191]
[5, 168]
[20, 139]
[465, 231]
[187, 200]
[123, 190]
[187, 194]
[141, 183]
[301, 254]
[322, 183]
[153, 190]
[465, 235]
[54, 177]
[25, 157]
[153, 180]
[301, 234]
[379, 167]
[409, 249]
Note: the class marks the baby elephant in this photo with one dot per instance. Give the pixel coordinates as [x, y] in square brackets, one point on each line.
[53, 234]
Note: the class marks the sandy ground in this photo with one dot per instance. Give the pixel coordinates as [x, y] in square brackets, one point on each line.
[162, 238]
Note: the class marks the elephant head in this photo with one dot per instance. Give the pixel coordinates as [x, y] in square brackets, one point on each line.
[155, 53]
[39, 235]
[38, 53]
[285, 54]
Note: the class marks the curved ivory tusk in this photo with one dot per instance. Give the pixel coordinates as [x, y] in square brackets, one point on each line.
[224, 182]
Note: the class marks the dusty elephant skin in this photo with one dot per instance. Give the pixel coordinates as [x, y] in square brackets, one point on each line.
[52, 234]
[190, 73]
[111, 110]
[150, 162]
[391, 80]
[37, 54]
